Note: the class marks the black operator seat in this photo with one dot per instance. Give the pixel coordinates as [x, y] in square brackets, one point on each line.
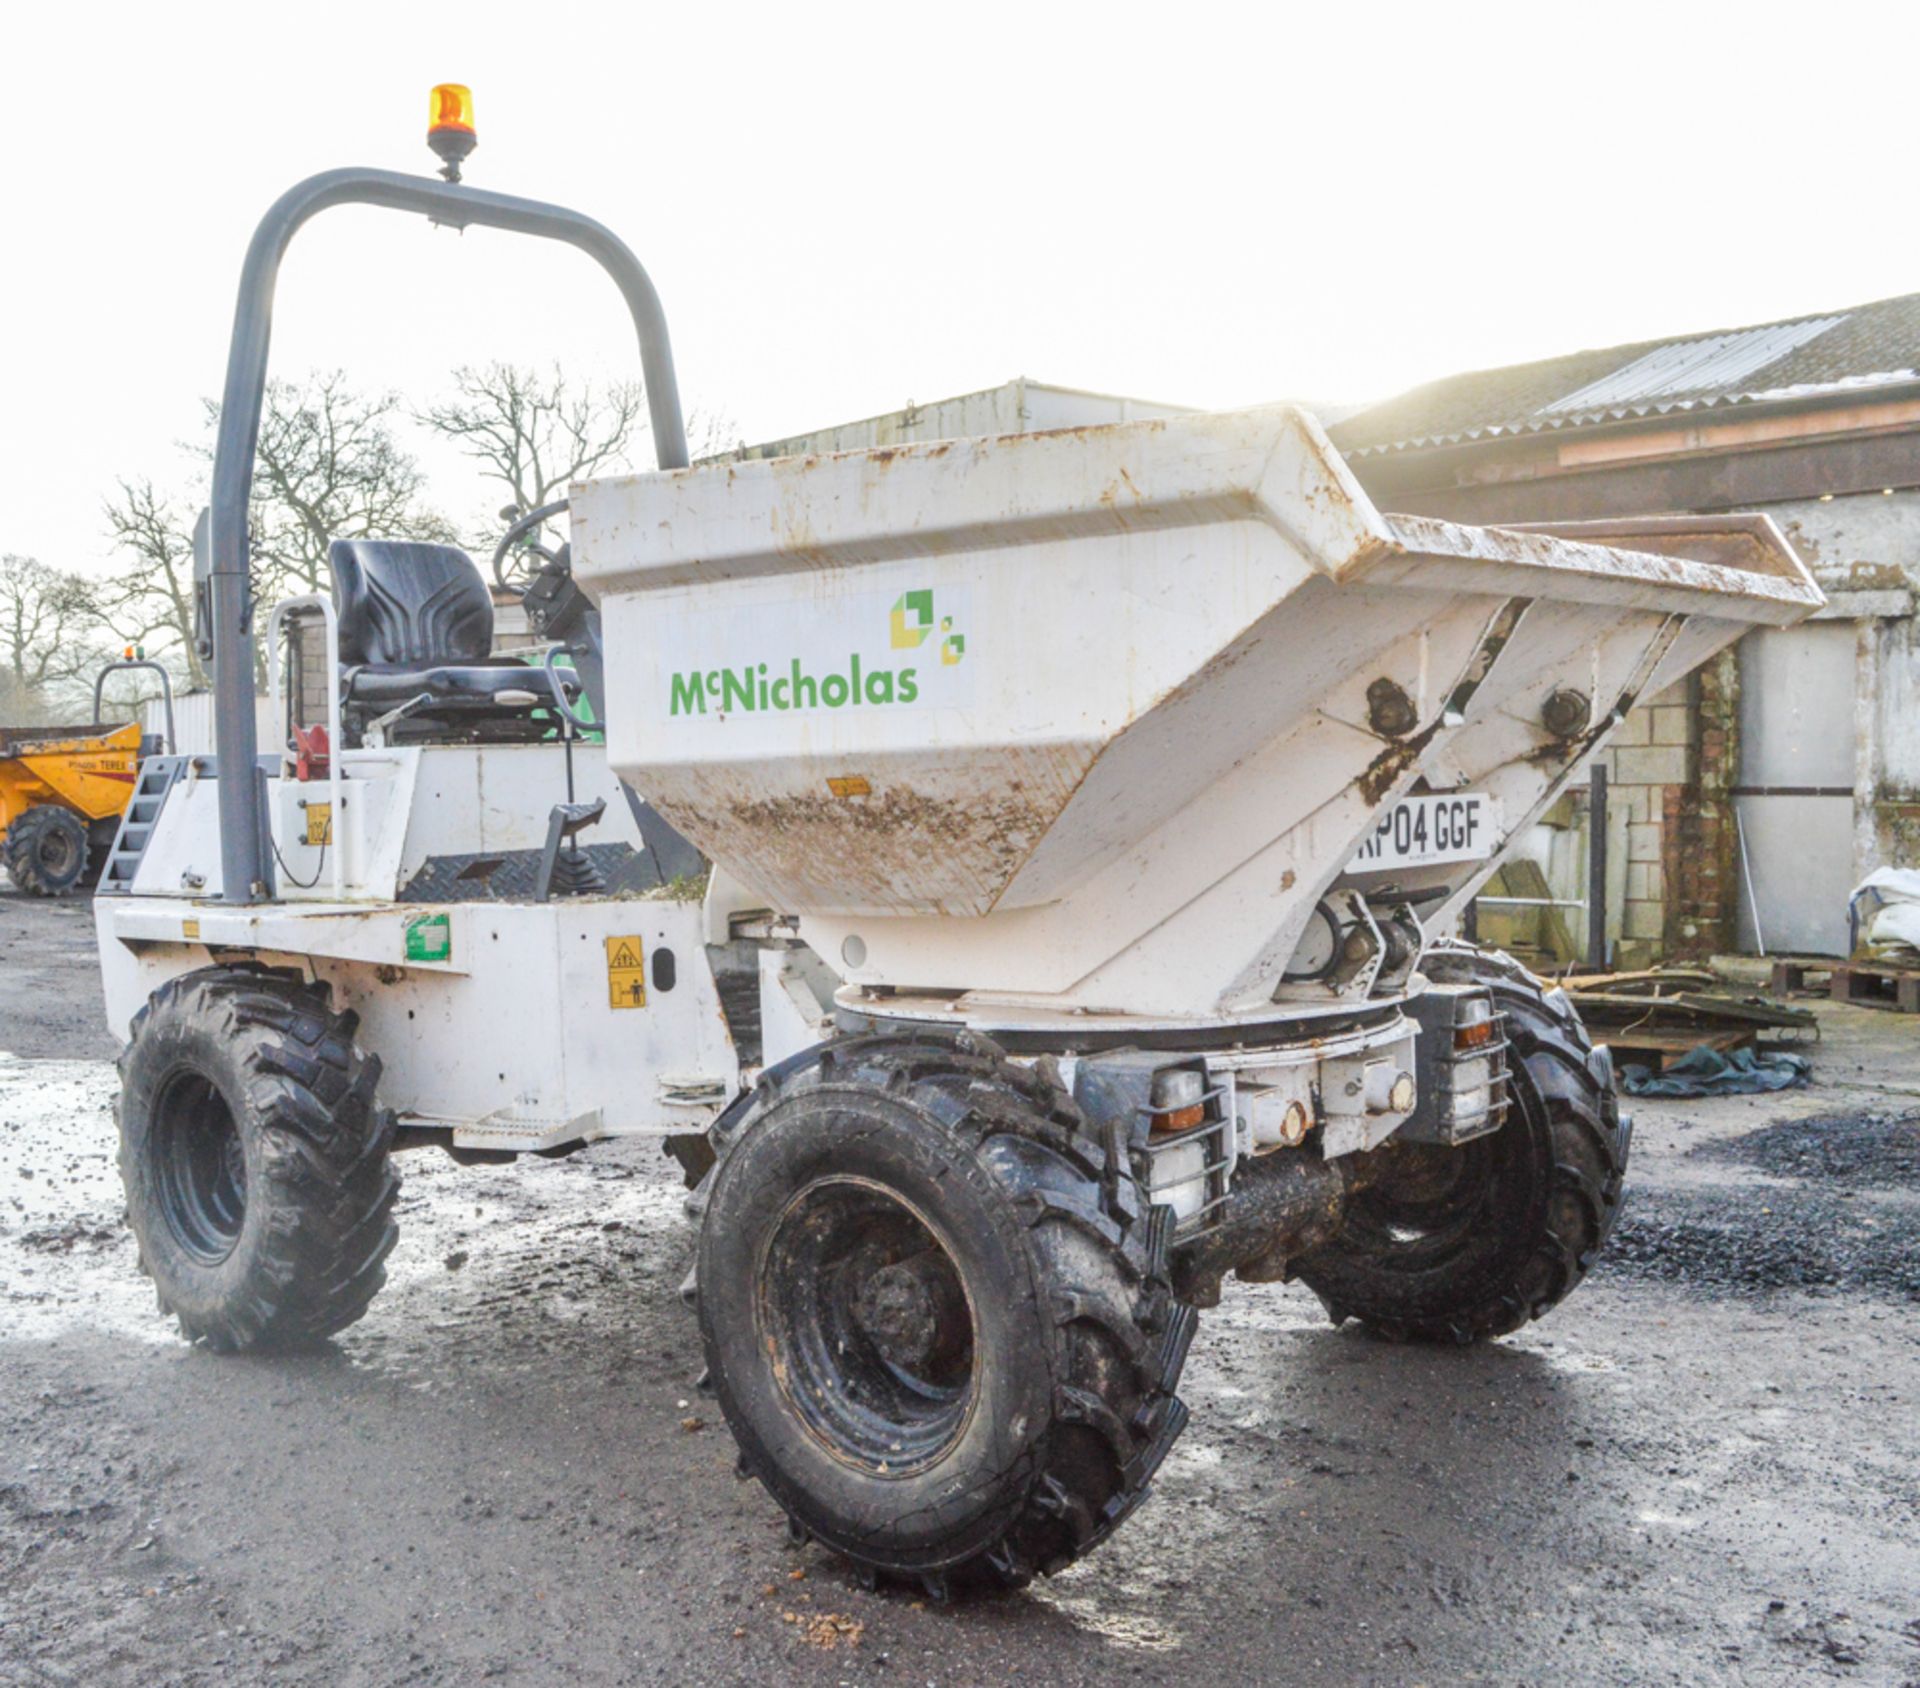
[418, 618]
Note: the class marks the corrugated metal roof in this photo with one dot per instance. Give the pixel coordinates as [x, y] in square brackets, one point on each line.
[1871, 346]
[1712, 364]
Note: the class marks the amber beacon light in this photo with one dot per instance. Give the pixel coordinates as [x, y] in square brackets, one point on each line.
[450, 126]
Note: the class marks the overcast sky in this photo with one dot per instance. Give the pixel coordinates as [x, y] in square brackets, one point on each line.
[845, 208]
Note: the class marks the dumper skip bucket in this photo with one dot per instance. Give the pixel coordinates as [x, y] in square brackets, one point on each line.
[1096, 716]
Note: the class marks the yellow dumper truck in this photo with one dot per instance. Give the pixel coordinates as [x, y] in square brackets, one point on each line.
[63, 790]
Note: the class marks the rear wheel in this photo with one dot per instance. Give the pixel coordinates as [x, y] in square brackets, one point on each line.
[1458, 1244]
[254, 1159]
[936, 1314]
[46, 850]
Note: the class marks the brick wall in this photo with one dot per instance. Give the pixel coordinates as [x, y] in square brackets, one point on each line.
[1701, 862]
[1670, 768]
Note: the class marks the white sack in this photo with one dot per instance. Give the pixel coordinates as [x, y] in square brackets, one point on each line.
[1887, 903]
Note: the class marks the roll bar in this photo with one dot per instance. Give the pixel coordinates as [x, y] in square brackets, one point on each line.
[246, 876]
[166, 691]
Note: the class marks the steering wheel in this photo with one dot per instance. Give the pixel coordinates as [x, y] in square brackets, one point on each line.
[562, 706]
[513, 537]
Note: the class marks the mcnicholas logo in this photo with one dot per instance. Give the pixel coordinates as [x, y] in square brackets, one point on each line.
[912, 621]
[795, 683]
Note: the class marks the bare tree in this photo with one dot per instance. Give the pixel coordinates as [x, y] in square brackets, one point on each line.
[534, 434]
[18, 708]
[711, 434]
[48, 619]
[150, 602]
[328, 465]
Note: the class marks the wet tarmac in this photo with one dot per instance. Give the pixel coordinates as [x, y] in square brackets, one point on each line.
[1699, 1470]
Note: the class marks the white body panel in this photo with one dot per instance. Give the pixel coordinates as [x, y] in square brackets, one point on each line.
[1019, 406]
[1081, 721]
[512, 1041]
[493, 1019]
[796, 1002]
[400, 807]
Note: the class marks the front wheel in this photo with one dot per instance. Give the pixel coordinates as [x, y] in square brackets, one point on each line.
[936, 1314]
[1459, 1244]
[46, 851]
[254, 1159]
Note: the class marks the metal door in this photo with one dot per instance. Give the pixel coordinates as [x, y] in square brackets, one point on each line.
[1795, 796]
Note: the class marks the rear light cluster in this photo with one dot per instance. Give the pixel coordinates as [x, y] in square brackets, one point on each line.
[1177, 1100]
[1476, 1027]
[1190, 1143]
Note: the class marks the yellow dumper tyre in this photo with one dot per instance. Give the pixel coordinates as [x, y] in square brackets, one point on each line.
[255, 1161]
[45, 851]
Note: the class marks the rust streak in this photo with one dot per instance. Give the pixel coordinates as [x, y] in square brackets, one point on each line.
[1384, 771]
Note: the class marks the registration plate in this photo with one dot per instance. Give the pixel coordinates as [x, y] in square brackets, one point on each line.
[1458, 826]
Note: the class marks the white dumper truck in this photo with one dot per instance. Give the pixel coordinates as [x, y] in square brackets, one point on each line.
[1085, 814]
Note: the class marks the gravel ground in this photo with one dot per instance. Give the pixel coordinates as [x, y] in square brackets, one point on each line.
[1700, 1470]
[1835, 1208]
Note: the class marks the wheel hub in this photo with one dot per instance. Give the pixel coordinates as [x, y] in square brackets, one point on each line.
[200, 1168]
[914, 1313]
[868, 1319]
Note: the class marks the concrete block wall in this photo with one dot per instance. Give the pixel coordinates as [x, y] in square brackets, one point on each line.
[1643, 760]
[1670, 769]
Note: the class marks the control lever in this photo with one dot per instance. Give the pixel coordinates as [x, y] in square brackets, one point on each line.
[564, 867]
[375, 737]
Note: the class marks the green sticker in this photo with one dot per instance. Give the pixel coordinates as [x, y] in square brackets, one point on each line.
[429, 938]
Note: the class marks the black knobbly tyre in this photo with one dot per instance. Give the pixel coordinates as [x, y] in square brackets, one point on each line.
[1456, 1245]
[255, 1161]
[936, 1312]
[46, 850]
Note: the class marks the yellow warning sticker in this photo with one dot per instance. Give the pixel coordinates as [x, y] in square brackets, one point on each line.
[626, 973]
[850, 785]
[319, 823]
[189, 928]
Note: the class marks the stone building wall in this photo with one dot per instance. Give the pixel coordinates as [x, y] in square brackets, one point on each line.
[1671, 768]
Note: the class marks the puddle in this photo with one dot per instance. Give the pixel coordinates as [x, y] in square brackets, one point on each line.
[1131, 1630]
[1581, 1361]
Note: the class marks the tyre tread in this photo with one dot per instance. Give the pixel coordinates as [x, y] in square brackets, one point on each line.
[330, 1184]
[1120, 1340]
[19, 850]
[1586, 1177]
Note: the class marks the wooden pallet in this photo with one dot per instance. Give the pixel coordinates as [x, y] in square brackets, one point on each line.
[1655, 1016]
[1652, 1048]
[1792, 975]
[1876, 984]
[1652, 982]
